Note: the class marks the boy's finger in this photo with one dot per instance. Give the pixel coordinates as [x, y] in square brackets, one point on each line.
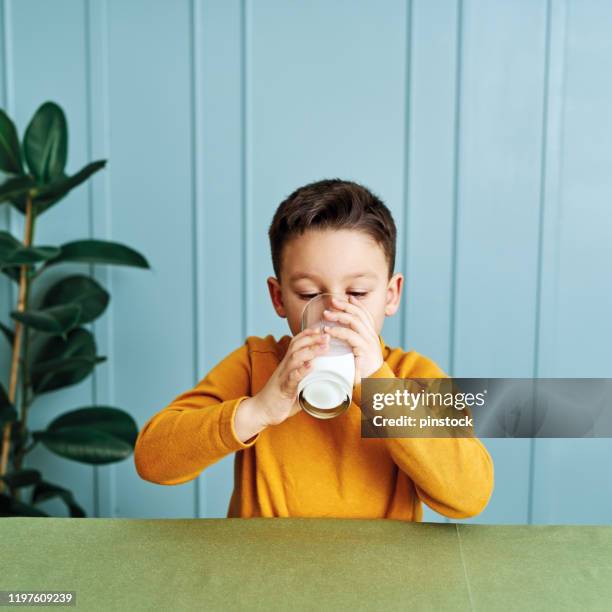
[346, 334]
[300, 336]
[305, 354]
[359, 310]
[305, 333]
[304, 336]
[289, 380]
[305, 341]
[351, 320]
[294, 378]
[366, 312]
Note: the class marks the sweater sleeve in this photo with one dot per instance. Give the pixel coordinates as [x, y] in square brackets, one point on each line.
[453, 476]
[197, 428]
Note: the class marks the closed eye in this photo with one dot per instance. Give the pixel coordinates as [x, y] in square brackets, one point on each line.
[309, 296]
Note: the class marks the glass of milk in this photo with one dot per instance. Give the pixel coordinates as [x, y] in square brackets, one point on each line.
[327, 390]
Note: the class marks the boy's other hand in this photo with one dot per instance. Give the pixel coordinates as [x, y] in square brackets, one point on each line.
[277, 400]
[360, 334]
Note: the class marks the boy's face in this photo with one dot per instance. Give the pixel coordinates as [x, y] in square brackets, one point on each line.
[346, 262]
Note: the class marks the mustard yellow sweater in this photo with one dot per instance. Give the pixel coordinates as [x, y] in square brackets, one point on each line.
[306, 466]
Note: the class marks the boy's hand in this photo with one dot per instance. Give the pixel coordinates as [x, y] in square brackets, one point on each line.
[361, 336]
[277, 400]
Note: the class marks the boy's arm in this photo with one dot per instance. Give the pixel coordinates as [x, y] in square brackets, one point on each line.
[197, 428]
[453, 476]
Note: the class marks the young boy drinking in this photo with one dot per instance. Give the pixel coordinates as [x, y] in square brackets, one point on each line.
[331, 236]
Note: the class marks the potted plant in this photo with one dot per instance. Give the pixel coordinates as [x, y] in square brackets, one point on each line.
[51, 347]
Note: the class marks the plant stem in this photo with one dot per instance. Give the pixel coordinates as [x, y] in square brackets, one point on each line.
[25, 397]
[17, 344]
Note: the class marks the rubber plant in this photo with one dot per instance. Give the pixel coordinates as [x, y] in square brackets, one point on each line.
[51, 347]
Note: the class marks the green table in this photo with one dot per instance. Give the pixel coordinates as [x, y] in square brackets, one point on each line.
[308, 564]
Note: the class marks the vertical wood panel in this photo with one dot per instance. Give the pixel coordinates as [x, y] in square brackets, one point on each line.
[219, 92]
[431, 183]
[96, 27]
[431, 176]
[151, 209]
[500, 145]
[572, 482]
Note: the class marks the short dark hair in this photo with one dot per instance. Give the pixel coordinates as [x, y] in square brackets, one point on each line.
[332, 204]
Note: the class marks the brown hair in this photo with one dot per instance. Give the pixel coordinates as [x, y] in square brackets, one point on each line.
[332, 204]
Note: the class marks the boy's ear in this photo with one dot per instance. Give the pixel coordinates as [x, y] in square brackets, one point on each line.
[394, 294]
[277, 297]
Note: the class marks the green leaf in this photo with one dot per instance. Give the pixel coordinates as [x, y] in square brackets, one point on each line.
[7, 410]
[100, 252]
[53, 320]
[19, 439]
[64, 183]
[79, 343]
[9, 506]
[48, 195]
[94, 435]
[8, 414]
[14, 253]
[13, 273]
[21, 478]
[9, 334]
[51, 375]
[46, 490]
[113, 421]
[78, 289]
[4, 398]
[10, 153]
[85, 445]
[45, 142]
[66, 364]
[14, 187]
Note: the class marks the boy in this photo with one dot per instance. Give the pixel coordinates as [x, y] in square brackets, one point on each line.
[330, 236]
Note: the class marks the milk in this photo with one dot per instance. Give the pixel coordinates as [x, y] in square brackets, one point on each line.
[327, 390]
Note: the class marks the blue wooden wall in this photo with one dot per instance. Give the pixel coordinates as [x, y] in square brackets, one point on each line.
[485, 125]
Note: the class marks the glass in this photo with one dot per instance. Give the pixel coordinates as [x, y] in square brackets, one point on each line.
[327, 390]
